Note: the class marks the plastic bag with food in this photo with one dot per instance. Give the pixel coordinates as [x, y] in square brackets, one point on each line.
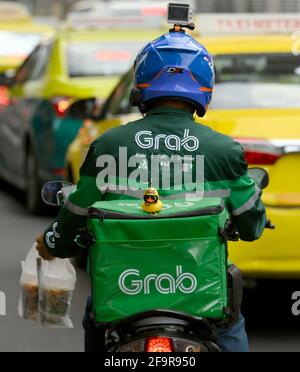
[29, 297]
[57, 281]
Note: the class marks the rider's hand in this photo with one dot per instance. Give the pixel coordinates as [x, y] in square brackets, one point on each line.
[43, 251]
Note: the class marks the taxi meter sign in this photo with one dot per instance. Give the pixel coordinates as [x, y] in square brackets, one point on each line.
[248, 24]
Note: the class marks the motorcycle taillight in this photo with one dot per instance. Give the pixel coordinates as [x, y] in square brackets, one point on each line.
[4, 97]
[159, 345]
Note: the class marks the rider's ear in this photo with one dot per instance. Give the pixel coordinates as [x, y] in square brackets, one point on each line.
[136, 100]
[135, 97]
[200, 112]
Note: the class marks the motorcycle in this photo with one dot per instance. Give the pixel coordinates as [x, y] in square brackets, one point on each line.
[162, 330]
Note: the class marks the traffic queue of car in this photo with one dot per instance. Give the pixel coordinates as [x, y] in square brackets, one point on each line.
[72, 64]
[75, 85]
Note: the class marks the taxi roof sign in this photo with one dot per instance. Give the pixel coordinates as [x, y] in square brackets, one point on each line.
[247, 24]
[13, 12]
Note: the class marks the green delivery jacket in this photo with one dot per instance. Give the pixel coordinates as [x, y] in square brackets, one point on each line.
[165, 133]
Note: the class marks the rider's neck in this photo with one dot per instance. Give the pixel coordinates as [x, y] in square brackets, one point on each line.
[174, 104]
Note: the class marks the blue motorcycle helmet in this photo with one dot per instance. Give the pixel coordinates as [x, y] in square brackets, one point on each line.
[174, 66]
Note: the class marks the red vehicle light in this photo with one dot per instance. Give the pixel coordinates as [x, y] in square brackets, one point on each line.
[259, 151]
[261, 158]
[159, 345]
[61, 106]
[60, 172]
[4, 98]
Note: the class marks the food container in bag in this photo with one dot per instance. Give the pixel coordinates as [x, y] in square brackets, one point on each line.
[29, 297]
[57, 281]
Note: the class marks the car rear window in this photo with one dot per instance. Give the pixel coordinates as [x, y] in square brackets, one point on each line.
[100, 59]
[13, 44]
[257, 81]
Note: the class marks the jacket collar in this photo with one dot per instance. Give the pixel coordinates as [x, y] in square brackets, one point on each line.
[170, 111]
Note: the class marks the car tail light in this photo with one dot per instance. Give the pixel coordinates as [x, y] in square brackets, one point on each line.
[4, 98]
[159, 345]
[259, 151]
[61, 106]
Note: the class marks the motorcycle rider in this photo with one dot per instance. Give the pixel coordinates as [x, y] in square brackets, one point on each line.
[174, 79]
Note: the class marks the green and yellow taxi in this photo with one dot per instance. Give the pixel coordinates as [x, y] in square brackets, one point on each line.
[36, 125]
[257, 102]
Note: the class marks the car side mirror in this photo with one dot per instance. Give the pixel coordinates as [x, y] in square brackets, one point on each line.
[86, 109]
[260, 176]
[2, 79]
[7, 78]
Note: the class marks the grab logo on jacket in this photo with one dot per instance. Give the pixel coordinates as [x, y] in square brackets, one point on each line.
[132, 283]
[146, 140]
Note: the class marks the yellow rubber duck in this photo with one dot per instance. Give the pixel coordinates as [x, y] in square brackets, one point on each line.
[152, 204]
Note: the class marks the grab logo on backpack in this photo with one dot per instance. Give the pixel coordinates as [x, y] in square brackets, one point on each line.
[146, 140]
[131, 283]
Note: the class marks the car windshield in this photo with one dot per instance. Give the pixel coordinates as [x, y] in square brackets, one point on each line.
[257, 81]
[13, 44]
[100, 59]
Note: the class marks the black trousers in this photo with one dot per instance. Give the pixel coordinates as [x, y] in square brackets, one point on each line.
[94, 341]
[94, 337]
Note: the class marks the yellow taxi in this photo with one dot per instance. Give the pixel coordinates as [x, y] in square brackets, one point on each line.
[256, 101]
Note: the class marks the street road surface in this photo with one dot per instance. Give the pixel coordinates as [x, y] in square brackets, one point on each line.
[18, 232]
[268, 308]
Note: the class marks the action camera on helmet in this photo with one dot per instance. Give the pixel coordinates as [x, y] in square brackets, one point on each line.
[174, 67]
[179, 14]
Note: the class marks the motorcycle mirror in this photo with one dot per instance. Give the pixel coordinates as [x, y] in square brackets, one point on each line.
[51, 192]
[260, 176]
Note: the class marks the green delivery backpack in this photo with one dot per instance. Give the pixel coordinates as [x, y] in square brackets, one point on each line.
[176, 260]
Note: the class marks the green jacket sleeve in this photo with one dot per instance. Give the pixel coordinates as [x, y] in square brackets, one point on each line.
[247, 210]
[60, 237]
